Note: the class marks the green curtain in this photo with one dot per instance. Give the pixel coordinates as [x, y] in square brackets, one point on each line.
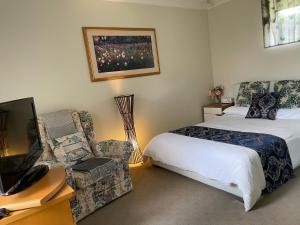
[280, 26]
[285, 4]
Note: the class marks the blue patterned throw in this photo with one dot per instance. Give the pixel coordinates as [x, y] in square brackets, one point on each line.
[272, 150]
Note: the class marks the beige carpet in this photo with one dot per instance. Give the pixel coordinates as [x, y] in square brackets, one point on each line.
[161, 197]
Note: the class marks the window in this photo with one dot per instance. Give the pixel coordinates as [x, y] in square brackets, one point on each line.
[281, 22]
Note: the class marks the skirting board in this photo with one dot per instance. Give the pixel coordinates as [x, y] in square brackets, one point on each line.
[232, 189]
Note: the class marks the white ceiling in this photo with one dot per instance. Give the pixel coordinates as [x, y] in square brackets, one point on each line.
[190, 4]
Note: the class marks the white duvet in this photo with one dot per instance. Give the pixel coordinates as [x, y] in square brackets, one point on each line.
[229, 164]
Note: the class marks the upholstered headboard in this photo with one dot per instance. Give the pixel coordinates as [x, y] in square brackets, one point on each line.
[236, 86]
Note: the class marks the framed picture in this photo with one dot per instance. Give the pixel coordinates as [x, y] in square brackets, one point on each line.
[117, 53]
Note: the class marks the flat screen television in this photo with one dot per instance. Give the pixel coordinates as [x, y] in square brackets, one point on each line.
[20, 145]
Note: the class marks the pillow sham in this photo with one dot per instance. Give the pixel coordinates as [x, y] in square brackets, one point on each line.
[248, 88]
[71, 149]
[288, 114]
[264, 106]
[289, 91]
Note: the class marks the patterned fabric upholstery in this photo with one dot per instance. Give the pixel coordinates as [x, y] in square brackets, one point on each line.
[99, 187]
[99, 194]
[71, 149]
[289, 91]
[87, 125]
[113, 148]
[77, 121]
[47, 154]
[248, 88]
[264, 106]
[98, 174]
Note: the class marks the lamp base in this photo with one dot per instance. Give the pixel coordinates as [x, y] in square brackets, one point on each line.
[136, 157]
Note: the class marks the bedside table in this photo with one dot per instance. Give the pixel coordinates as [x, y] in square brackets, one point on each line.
[214, 110]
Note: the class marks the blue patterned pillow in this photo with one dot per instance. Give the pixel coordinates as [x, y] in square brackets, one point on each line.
[289, 91]
[264, 106]
[248, 88]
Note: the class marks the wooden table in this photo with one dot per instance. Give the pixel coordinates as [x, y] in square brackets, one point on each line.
[56, 211]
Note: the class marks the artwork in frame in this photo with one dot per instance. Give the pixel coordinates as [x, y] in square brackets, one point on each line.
[117, 53]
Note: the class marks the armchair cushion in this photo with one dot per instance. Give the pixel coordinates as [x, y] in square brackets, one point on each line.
[113, 149]
[47, 154]
[71, 149]
[101, 173]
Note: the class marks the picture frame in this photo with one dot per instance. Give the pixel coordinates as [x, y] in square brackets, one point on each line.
[119, 53]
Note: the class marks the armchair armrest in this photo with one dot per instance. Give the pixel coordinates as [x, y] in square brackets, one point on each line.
[113, 148]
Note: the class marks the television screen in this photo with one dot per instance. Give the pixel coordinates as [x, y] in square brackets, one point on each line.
[20, 144]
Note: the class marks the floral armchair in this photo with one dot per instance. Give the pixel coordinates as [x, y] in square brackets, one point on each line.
[101, 185]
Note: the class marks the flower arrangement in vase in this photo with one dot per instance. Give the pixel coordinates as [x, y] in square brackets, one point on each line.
[216, 93]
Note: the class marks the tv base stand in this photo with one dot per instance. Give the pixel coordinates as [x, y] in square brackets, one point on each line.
[37, 194]
[31, 177]
[46, 202]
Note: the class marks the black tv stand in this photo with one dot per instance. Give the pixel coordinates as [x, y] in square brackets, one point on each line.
[31, 176]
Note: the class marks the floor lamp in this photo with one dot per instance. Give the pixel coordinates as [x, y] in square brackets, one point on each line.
[125, 104]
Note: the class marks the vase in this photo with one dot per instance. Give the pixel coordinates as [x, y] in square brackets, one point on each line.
[218, 99]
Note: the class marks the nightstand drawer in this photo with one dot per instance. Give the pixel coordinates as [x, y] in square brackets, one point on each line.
[208, 117]
[215, 111]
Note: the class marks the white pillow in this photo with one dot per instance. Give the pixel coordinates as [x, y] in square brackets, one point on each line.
[237, 111]
[286, 114]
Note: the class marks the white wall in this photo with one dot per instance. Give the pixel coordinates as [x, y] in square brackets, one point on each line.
[236, 37]
[42, 55]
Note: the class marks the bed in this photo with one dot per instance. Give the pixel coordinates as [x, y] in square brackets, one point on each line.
[232, 168]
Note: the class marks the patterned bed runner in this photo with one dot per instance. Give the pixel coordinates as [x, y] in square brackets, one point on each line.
[272, 150]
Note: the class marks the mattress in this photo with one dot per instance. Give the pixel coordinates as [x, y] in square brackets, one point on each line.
[226, 163]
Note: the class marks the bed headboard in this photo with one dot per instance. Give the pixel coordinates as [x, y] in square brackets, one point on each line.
[236, 86]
